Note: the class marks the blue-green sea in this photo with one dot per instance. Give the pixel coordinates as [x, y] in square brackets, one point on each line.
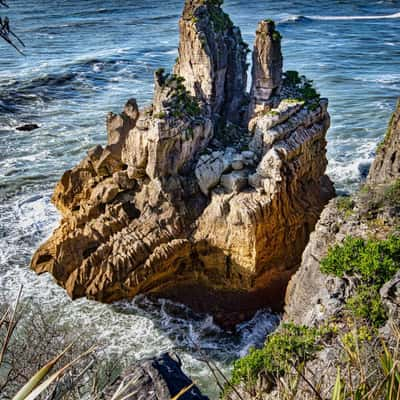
[85, 58]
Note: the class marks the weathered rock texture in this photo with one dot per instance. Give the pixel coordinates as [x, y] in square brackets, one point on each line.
[386, 166]
[313, 297]
[267, 67]
[183, 204]
[159, 378]
[212, 58]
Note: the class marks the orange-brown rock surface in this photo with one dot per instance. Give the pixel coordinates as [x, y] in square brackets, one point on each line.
[184, 202]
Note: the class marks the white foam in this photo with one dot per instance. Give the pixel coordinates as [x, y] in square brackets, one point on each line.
[352, 17]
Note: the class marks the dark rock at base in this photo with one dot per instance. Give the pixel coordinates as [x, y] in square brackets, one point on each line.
[27, 127]
[158, 378]
[363, 169]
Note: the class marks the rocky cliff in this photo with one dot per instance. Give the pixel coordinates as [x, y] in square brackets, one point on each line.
[344, 300]
[312, 296]
[207, 196]
[386, 166]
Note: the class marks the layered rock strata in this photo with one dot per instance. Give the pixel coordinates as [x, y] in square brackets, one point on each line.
[386, 166]
[267, 67]
[185, 202]
[313, 297]
[318, 300]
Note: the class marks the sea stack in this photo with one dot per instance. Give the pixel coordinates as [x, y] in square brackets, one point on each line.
[185, 202]
[267, 67]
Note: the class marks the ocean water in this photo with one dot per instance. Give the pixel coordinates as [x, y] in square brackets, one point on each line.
[85, 58]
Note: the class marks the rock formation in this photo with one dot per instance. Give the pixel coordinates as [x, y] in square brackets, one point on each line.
[267, 66]
[212, 59]
[184, 202]
[159, 378]
[386, 166]
[316, 300]
[313, 297]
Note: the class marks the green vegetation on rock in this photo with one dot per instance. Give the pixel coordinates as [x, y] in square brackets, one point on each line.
[220, 19]
[371, 263]
[292, 78]
[392, 194]
[345, 204]
[276, 36]
[181, 103]
[388, 131]
[289, 346]
[304, 88]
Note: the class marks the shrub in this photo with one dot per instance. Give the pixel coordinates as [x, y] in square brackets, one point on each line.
[367, 305]
[276, 36]
[292, 78]
[372, 262]
[345, 204]
[291, 345]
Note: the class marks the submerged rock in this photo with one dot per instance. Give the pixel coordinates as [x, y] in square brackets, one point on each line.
[27, 127]
[184, 204]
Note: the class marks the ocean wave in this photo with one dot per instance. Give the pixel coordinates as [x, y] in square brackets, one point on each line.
[301, 18]
[293, 18]
[352, 17]
[88, 74]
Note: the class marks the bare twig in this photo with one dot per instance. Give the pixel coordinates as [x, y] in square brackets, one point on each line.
[11, 326]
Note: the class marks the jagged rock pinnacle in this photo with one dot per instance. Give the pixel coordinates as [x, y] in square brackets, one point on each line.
[212, 58]
[267, 67]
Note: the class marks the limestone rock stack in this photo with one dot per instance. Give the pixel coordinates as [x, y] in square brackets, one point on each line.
[185, 202]
[212, 58]
[267, 67]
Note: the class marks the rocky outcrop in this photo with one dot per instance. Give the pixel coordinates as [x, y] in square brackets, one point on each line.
[267, 67]
[386, 166]
[334, 305]
[212, 59]
[184, 204]
[313, 297]
[158, 378]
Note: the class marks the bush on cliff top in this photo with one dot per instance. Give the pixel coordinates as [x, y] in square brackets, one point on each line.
[372, 263]
[304, 87]
[288, 347]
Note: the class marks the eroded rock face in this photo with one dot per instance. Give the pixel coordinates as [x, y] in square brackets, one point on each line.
[386, 166]
[267, 67]
[177, 206]
[212, 58]
[312, 297]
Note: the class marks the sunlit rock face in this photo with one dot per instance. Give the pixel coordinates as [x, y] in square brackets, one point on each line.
[196, 198]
